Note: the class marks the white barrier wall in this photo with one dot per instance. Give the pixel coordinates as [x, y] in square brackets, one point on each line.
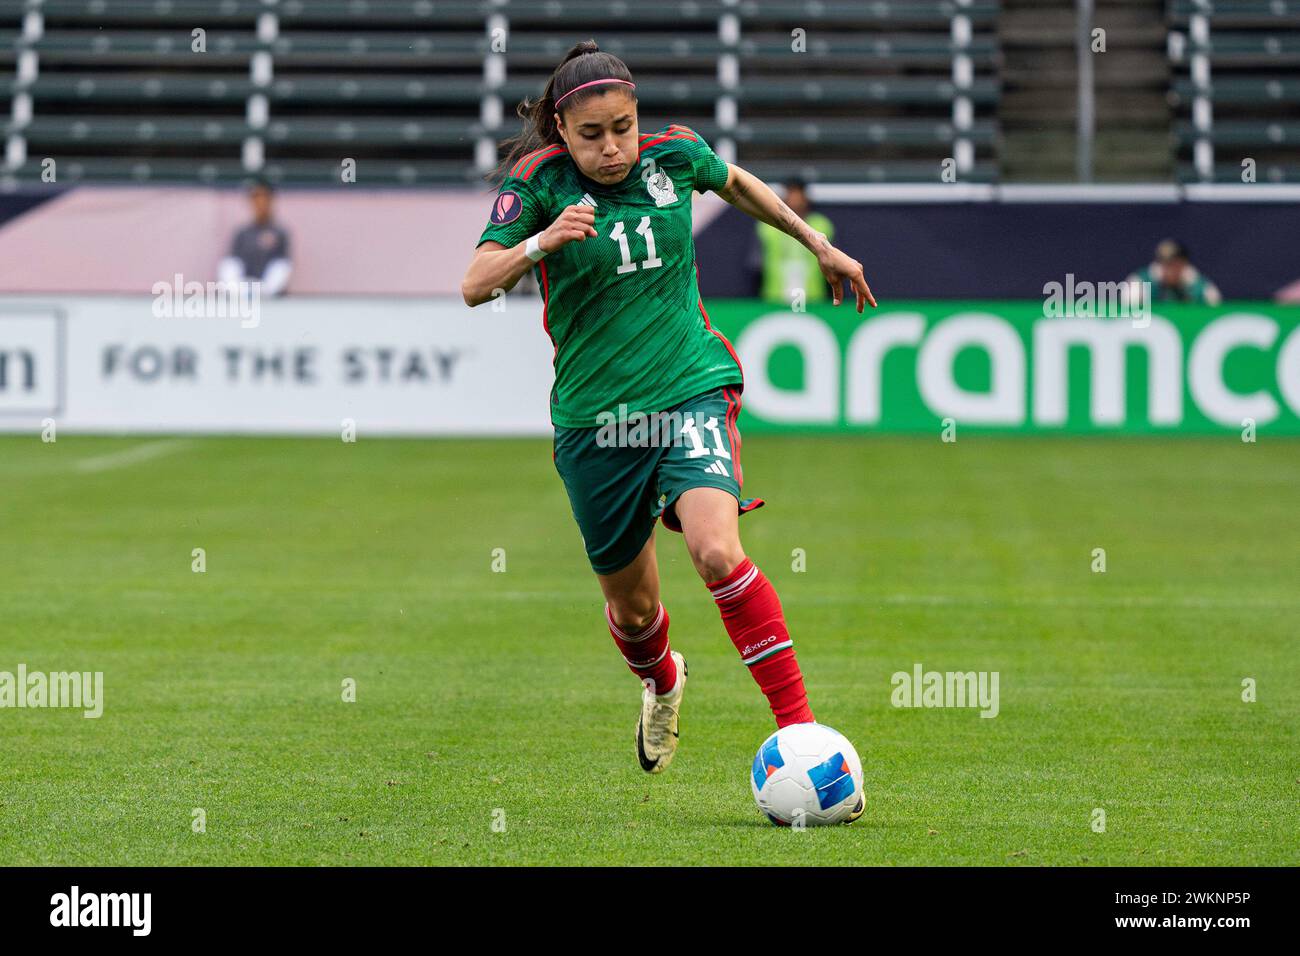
[392, 366]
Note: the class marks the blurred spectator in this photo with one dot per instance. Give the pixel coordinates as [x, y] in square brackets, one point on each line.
[1289, 295]
[1173, 278]
[785, 265]
[260, 251]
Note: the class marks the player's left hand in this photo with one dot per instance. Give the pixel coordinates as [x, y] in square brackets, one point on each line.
[837, 267]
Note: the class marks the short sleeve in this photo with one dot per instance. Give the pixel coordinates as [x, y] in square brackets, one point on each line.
[708, 172]
[515, 215]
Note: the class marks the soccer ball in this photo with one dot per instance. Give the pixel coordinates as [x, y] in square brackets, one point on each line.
[807, 775]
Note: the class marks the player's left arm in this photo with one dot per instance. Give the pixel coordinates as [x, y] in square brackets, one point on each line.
[755, 198]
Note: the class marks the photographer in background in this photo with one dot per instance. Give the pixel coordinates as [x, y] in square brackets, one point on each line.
[1173, 278]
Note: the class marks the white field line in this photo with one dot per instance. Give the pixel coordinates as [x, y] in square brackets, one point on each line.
[131, 456]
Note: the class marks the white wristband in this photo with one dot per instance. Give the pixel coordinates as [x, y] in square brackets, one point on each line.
[533, 248]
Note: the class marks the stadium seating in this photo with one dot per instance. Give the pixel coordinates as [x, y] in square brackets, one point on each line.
[1236, 89]
[417, 92]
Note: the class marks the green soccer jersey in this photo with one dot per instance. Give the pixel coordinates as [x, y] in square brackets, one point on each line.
[623, 309]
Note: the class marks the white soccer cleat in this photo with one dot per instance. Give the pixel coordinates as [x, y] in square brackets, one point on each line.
[656, 728]
[857, 811]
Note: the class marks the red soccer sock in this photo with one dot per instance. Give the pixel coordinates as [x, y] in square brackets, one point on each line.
[646, 652]
[752, 614]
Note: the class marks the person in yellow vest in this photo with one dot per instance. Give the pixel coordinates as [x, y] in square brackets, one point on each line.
[786, 264]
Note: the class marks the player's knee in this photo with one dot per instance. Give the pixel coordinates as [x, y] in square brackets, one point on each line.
[634, 613]
[715, 558]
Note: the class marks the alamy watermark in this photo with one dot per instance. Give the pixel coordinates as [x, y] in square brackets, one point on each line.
[79, 690]
[132, 911]
[1098, 300]
[623, 429]
[922, 688]
[179, 299]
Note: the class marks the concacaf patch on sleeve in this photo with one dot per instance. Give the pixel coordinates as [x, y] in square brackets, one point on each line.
[507, 208]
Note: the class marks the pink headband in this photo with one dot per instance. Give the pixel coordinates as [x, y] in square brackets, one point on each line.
[593, 83]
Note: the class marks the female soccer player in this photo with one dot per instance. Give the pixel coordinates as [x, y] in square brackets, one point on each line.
[603, 213]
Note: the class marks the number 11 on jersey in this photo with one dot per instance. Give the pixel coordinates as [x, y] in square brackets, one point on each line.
[619, 234]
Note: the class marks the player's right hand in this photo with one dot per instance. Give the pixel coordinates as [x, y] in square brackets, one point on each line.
[575, 224]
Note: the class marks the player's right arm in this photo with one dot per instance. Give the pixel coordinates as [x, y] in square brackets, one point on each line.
[496, 266]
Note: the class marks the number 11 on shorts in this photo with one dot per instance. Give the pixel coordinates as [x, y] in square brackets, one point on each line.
[697, 443]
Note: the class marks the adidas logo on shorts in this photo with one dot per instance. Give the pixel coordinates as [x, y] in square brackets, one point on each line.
[717, 468]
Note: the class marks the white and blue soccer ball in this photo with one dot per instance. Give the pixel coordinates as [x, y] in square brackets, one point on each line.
[808, 775]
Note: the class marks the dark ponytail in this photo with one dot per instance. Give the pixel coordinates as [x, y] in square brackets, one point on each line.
[584, 63]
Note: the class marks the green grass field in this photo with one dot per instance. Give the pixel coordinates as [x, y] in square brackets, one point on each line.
[487, 696]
